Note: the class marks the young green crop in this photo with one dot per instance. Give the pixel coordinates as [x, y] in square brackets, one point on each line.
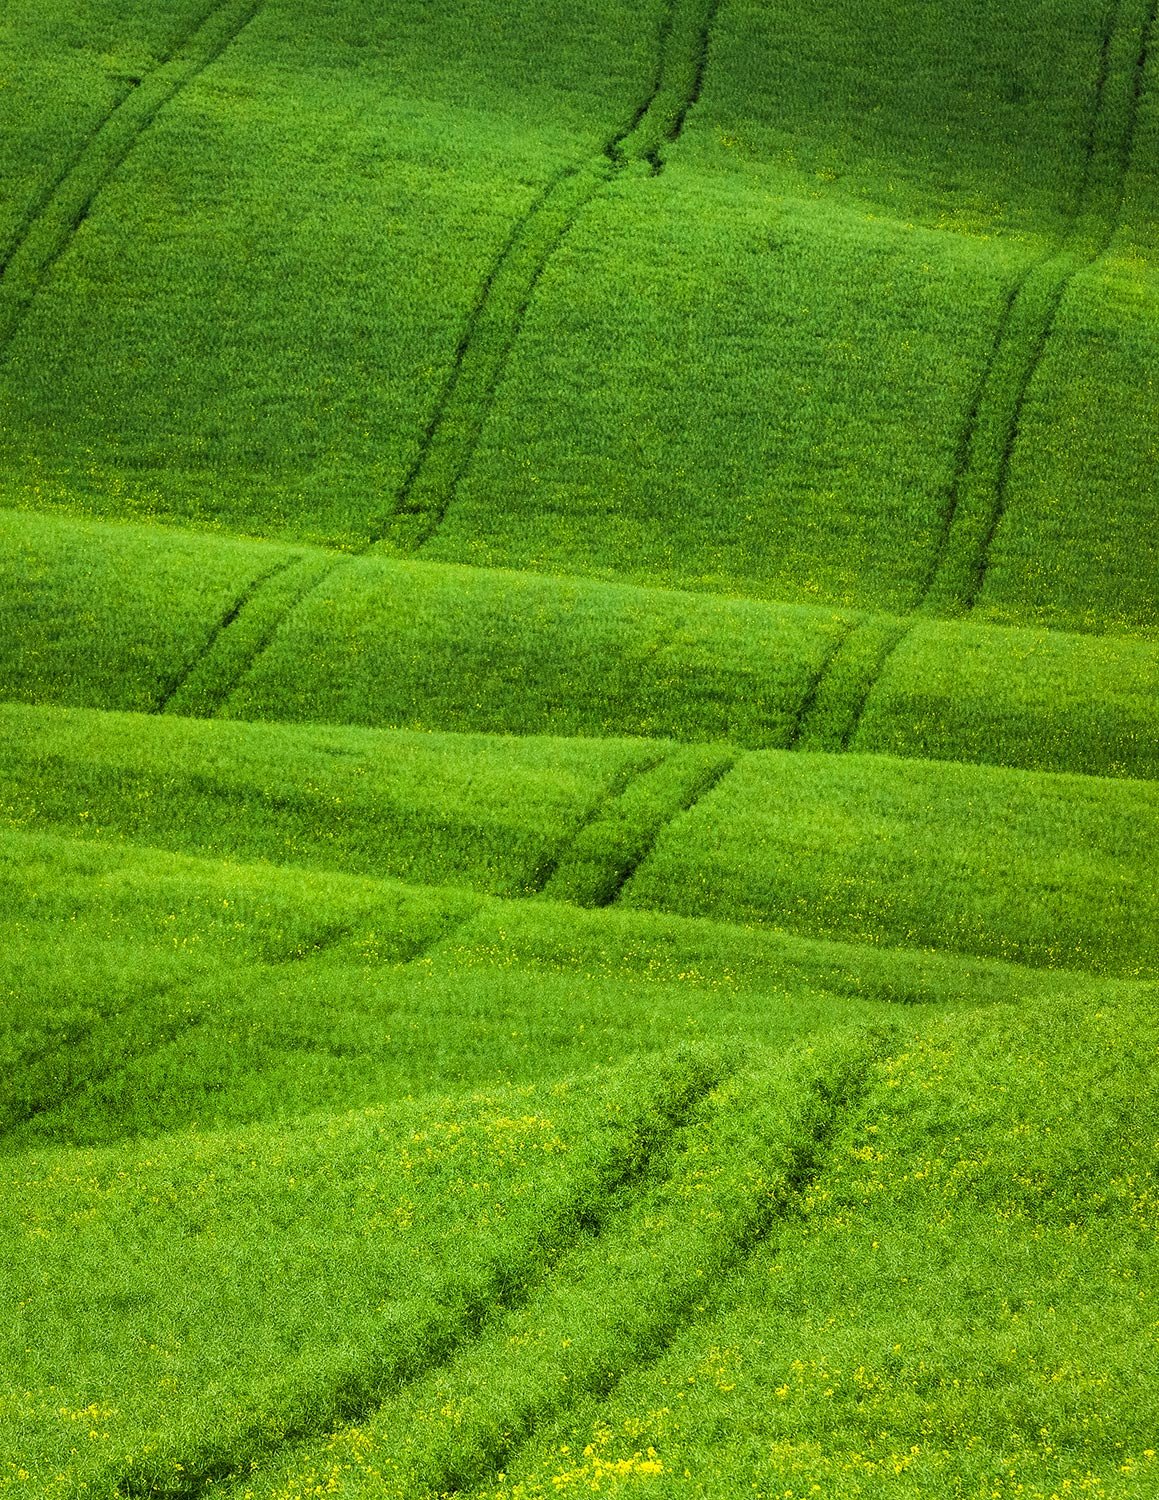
[653, 994]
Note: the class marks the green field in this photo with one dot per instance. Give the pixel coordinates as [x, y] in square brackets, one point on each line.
[579, 750]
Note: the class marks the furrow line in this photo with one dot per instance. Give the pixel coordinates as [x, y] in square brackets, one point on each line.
[979, 489]
[127, 1050]
[623, 1314]
[49, 234]
[871, 682]
[245, 634]
[703, 784]
[842, 689]
[549, 869]
[807, 706]
[35, 209]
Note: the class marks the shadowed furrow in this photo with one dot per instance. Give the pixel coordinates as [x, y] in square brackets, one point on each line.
[244, 634]
[611, 846]
[837, 700]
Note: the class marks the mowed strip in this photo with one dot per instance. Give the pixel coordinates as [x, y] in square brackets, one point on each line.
[1044, 869]
[136, 617]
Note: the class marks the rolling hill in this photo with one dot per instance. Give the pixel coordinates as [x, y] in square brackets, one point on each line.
[579, 749]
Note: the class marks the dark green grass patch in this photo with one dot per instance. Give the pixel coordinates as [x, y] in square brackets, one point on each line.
[146, 992]
[444, 647]
[1034, 698]
[65, 69]
[1043, 869]
[127, 617]
[971, 115]
[718, 388]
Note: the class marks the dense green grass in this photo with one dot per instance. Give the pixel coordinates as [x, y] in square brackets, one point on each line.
[579, 786]
[1039, 868]
[429, 135]
[128, 617]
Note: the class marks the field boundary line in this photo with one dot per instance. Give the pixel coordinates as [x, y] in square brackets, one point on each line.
[979, 490]
[50, 232]
[452, 433]
[648, 1152]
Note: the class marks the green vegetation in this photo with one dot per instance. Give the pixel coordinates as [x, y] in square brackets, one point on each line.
[579, 749]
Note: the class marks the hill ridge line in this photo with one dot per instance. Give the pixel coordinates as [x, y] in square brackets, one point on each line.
[979, 487]
[48, 232]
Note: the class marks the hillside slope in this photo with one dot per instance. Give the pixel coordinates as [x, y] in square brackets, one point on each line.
[579, 749]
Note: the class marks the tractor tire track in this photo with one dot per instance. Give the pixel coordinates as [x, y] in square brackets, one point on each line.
[177, 682]
[979, 491]
[497, 318]
[807, 706]
[49, 234]
[630, 1334]
[120, 1032]
[841, 691]
[547, 871]
[647, 1150]
[451, 434]
[702, 783]
[243, 634]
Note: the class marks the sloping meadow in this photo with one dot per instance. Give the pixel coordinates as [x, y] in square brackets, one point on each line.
[579, 750]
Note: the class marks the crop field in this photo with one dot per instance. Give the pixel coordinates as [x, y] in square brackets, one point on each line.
[579, 749]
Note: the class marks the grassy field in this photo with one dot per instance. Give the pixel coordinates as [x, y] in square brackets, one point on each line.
[579, 750]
